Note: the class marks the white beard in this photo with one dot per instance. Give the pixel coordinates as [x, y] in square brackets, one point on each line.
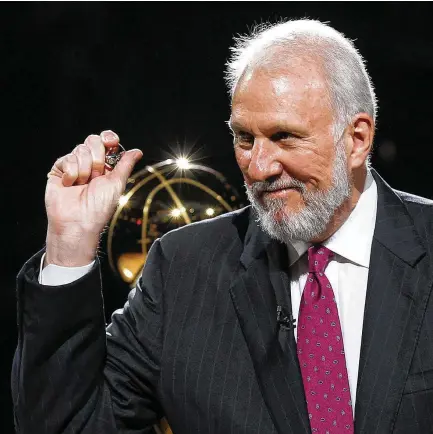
[320, 206]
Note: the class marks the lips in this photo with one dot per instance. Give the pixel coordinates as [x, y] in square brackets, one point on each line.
[280, 189]
[277, 193]
[277, 189]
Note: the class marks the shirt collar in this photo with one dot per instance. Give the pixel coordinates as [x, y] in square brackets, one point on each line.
[353, 239]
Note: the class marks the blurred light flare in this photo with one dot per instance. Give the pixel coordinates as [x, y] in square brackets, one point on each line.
[128, 273]
[123, 200]
[183, 163]
[176, 212]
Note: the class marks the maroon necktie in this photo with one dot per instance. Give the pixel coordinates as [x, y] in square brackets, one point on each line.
[321, 351]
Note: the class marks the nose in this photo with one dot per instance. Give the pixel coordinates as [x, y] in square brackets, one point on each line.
[264, 163]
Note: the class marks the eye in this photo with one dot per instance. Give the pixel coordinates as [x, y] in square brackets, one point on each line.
[282, 135]
[243, 138]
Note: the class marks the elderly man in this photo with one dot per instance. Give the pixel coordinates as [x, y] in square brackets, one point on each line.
[308, 311]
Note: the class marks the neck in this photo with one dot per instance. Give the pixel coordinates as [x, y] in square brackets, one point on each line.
[343, 213]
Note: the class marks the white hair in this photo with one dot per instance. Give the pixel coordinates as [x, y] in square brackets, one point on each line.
[349, 85]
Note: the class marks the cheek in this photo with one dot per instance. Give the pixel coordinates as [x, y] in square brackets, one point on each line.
[309, 167]
[243, 158]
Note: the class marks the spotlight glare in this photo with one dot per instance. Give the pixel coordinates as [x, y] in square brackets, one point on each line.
[175, 212]
[128, 273]
[210, 212]
[123, 200]
[183, 163]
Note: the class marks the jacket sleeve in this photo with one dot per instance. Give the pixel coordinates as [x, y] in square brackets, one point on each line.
[72, 375]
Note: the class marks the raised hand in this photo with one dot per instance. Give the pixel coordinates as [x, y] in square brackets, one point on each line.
[81, 196]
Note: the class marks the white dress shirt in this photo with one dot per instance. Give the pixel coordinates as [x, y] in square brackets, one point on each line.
[347, 273]
[56, 275]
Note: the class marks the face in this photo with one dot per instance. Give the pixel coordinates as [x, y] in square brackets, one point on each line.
[296, 177]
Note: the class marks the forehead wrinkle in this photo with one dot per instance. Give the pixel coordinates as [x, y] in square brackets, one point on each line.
[298, 62]
[280, 87]
[268, 123]
[296, 95]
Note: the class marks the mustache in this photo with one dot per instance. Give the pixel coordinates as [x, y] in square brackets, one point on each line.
[259, 187]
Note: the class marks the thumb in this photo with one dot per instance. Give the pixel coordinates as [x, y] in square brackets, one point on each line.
[126, 164]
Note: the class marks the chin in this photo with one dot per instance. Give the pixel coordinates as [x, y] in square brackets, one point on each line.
[282, 210]
[284, 224]
[278, 216]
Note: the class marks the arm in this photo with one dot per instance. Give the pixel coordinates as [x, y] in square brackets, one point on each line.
[72, 376]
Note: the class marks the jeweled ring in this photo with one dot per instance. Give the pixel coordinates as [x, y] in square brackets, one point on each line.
[112, 157]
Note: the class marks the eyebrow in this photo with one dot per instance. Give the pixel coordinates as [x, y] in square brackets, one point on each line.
[278, 126]
[236, 125]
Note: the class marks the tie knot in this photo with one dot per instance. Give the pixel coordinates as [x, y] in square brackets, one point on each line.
[318, 258]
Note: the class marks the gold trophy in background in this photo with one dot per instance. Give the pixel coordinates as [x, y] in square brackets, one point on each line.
[157, 199]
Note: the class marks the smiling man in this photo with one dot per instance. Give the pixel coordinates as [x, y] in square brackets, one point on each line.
[296, 175]
[308, 311]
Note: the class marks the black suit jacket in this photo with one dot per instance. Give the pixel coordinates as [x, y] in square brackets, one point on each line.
[198, 340]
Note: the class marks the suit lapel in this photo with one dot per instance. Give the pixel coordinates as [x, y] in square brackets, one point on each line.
[399, 283]
[262, 281]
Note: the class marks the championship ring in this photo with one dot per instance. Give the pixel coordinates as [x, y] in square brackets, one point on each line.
[113, 156]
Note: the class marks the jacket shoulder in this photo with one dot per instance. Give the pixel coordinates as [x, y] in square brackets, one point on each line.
[225, 228]
[414, 200]
[420, 210]
[418, 207]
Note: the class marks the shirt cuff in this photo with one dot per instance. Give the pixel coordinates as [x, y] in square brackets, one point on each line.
[56, 275]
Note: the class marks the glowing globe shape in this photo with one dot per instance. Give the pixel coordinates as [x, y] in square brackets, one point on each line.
[160, 198]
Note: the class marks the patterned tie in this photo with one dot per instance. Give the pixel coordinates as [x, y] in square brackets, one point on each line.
[321, 351]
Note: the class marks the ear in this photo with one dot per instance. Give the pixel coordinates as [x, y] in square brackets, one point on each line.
[361, 134]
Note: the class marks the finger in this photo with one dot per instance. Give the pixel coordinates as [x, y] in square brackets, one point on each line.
[57, 169]
[84, 157]
[109, 138]
[70, 169]
[124, 167]
[97, 149]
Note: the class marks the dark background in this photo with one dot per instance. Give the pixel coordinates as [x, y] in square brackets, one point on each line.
[153, 72]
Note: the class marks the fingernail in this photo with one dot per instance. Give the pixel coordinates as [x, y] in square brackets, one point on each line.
[136, 153]
[109, 136]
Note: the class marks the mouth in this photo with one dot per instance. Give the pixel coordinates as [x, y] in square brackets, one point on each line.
[280, 192]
